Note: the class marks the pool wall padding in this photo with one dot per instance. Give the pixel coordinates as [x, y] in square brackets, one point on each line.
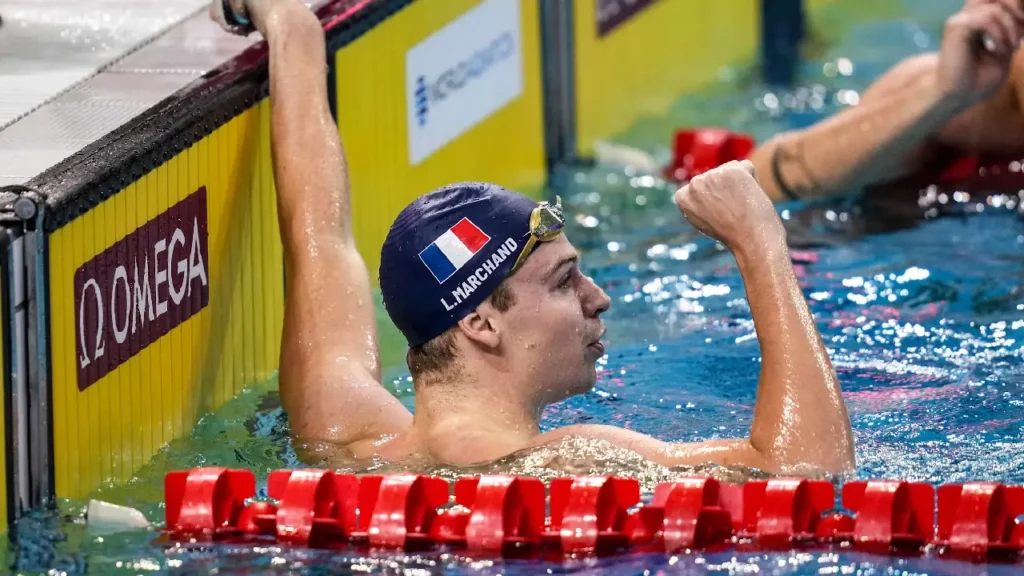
[136, 358]
[133, 370]
[641, 66]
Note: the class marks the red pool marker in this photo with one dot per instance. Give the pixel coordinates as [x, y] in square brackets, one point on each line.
[588, 514]
[699, 150]
[507, 513]
[316, 507]
[504, 516]
[890, 516]
[779, 513]
[206, 501]
[979, 520]
[401, 509]
[258, 519]
[693, 514]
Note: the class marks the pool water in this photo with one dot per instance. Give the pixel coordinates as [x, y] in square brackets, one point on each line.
[924, 321]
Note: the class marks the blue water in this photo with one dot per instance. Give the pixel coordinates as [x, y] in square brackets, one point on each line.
[924, 319]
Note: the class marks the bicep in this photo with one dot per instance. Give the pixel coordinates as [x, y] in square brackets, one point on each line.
[330, 367]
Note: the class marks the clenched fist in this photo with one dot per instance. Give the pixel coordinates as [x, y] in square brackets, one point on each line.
[729, 205]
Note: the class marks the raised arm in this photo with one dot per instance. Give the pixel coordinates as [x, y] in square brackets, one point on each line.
[958, 97]
[330, 370]
[800, 423]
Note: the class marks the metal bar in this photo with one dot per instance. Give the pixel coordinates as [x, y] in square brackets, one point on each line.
[559, 78]
[782, 31]
[38, 338]
[19, 376]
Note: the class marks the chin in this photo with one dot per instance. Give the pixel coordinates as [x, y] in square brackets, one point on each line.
[576, 388]
[585, 385]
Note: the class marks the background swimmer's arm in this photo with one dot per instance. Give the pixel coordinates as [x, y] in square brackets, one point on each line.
[867, 144]
[330, 370]
[950, 98]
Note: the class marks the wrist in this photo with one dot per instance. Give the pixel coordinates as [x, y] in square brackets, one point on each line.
[945, 100]
[278, 17]
[766, 246]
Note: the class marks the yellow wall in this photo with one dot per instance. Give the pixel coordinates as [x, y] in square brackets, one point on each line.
[506, 148]
[108, 431]
[639, 68]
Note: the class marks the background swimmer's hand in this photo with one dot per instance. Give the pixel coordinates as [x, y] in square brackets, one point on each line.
[977, 48]
[729, 205]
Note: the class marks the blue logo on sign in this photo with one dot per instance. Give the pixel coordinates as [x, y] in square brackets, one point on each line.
[422, 100]
[455, 78]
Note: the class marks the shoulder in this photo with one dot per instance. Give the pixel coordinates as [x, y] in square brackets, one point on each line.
[620, 437]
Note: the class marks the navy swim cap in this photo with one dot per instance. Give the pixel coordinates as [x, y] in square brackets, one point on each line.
[447, 252]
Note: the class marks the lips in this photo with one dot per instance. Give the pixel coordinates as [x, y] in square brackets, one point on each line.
[597, 344]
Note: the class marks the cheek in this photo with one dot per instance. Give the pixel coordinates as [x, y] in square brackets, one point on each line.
[564, 319]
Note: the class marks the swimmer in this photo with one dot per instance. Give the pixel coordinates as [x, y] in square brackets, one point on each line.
[500, 319]
[929, 110]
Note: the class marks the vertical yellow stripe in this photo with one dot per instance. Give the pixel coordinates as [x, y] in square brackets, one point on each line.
[123, 411]
[105, 237]
[163, 345]
[196, 345]
[206, 379]
[271, 242]
[245, 146]
[149, 380]
[179, 356]
[86, 438]
[257, 256]
[134, 210]
[60, 295]
[222, 321]
[241, 228]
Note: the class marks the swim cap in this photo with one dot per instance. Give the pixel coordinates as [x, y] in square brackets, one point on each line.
[447, 252]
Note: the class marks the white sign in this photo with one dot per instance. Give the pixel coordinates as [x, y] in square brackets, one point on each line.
[462, 74]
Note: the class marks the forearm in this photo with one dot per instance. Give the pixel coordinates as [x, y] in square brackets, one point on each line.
[309, 162]
[800, 420]
[867, 144]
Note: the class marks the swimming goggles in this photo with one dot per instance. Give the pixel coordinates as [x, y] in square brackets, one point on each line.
[546, 223]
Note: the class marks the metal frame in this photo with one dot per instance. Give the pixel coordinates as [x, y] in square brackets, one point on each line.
[37, 272]
[6, 235]
[559, 80]
[21, 440]
[26, 367]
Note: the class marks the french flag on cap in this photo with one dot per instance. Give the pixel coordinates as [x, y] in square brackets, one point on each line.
[450, 252]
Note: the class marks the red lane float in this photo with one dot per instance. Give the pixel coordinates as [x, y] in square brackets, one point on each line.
[696, 151]
[979, 520]
[506, 515]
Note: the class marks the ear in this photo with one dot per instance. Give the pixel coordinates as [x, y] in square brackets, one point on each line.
[481, 327]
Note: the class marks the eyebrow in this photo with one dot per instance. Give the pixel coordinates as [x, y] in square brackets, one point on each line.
[572, 259]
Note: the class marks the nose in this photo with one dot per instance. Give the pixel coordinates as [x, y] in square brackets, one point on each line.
[595, 300]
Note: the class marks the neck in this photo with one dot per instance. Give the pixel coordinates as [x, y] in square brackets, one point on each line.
[475, 419]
